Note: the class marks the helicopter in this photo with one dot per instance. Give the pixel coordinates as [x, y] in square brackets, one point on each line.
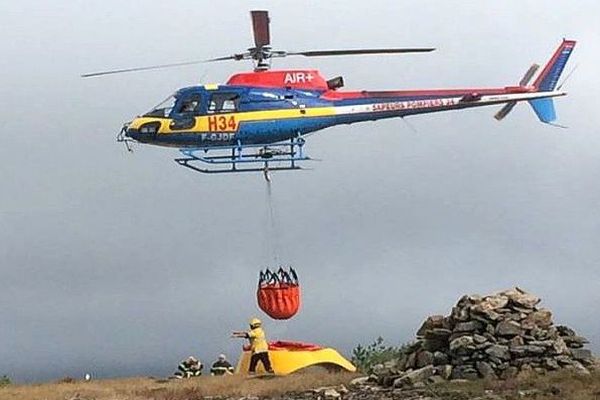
[257, 121]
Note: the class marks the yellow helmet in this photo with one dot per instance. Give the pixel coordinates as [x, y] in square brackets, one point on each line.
[255, 322]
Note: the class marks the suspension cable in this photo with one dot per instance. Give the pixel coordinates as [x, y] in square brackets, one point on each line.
[272, 236]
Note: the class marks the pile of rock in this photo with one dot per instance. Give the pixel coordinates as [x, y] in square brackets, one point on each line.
[496, 336]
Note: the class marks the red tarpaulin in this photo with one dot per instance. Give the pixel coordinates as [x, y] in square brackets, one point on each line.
[289, 346]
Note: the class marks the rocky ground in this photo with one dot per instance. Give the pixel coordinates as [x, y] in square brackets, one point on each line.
[567, 385]
[500, 336]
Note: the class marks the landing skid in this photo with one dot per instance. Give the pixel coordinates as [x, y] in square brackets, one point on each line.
[245, 158]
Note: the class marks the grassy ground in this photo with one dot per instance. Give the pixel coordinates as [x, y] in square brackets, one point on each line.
[555, 386]
[188, 389]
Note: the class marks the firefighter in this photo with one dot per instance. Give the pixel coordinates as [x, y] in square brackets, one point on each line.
[189, 368]
[221, 366]
[259, 347]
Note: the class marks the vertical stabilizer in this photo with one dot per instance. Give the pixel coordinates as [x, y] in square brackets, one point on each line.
[548, 78]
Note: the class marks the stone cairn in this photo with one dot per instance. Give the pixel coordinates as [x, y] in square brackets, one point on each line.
[494, 337]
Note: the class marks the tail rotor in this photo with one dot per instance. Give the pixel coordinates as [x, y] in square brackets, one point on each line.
[504, 111]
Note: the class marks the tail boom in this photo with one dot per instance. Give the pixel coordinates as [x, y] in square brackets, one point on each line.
[371, 105]
[401, 107]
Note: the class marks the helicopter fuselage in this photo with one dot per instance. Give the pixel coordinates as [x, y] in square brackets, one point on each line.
[273, 106]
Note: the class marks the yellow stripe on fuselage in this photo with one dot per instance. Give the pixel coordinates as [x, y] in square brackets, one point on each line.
[230, 121]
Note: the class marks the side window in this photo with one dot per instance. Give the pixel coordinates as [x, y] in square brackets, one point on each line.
[223, 102]
[190, 105]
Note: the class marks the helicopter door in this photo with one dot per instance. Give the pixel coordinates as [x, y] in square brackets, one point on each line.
[185, 112]
[223, 102]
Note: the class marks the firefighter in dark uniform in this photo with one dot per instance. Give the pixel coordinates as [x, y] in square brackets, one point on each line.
[189, 368]
[221, 366]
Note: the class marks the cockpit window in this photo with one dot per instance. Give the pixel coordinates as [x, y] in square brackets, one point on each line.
[223, 102]
[163, 109]
[190, 105]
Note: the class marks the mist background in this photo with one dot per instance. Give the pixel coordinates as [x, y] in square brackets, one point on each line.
[121, 264]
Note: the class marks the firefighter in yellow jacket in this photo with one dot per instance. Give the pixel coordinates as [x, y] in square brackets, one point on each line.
[259, 347]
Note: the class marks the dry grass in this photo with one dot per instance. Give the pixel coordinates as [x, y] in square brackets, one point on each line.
[189, 389]
[556, 386]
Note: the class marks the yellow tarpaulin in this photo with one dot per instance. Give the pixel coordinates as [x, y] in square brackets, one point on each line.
[288, 357]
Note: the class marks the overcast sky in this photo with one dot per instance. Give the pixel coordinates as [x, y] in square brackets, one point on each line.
[120, 264]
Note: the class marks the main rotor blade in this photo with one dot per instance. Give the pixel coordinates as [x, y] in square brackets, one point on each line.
[319, 53]
[236, 57]
[260, 27]
[119, 71]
